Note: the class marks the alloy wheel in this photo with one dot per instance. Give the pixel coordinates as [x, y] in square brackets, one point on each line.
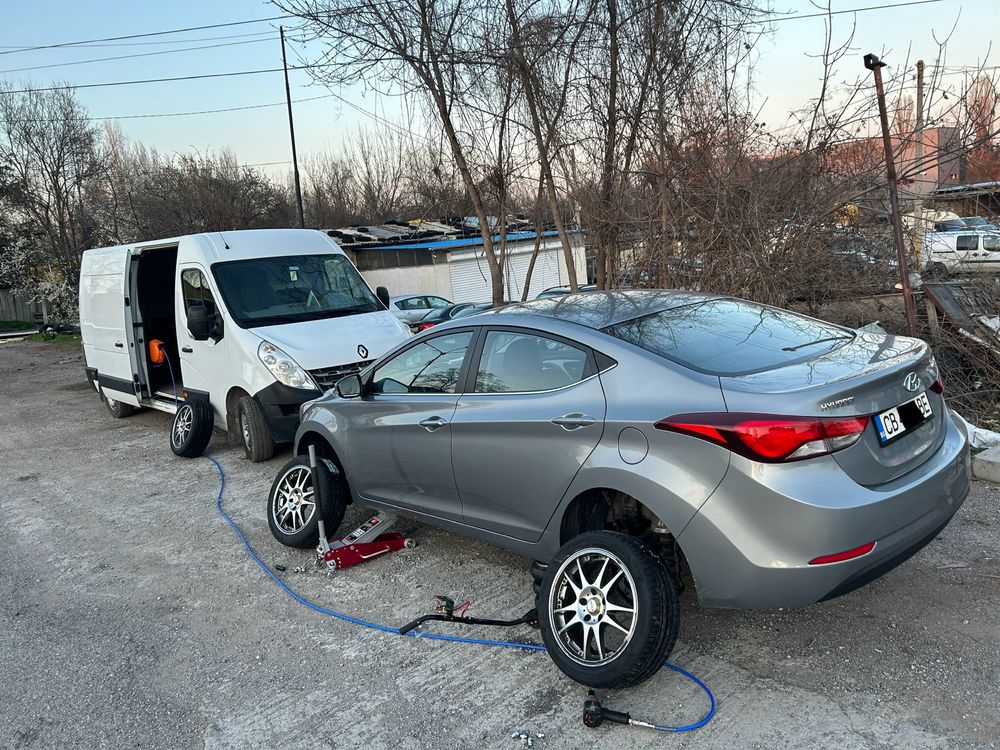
[182, 424]
[292, 505]
[592, 607]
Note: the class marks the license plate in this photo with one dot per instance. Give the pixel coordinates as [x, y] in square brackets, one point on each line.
[899, 420]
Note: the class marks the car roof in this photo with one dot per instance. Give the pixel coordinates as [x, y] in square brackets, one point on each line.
[600, 309]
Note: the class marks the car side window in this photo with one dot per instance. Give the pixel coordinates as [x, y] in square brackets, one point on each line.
[967, 242]
[432, 366]
[523, 362]
[436, 302]
[412, 303]
[194, 289]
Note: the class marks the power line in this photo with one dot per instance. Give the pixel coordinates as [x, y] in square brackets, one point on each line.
[137, 54]
[146, 35]
[22, 48]
[824, 14]
[154, 80]
[210, 111]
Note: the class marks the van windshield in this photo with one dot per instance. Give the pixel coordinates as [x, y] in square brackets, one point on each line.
[292, 288]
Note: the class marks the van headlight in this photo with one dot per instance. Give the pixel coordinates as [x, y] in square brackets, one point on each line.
[285, 369]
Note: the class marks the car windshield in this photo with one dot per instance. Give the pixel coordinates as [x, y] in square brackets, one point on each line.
[730, 337]
[292, 288]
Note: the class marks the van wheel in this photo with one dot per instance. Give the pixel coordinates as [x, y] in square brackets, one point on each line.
[118, 409]
[191, 430]
[257, 441]
[291, 504]
[608, 610]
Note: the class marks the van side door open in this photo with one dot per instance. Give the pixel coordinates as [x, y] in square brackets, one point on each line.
[108, 344]
[201, 335]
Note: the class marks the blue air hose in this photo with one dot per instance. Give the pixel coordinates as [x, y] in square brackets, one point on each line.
[433, 636]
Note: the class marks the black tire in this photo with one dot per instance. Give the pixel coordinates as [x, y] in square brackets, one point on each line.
[118, 409]
[295, 480]
[254, 433]
[646, 585]
[538, 569]
[191, 430]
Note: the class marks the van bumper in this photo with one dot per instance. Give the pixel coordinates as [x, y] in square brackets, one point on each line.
[280, 407]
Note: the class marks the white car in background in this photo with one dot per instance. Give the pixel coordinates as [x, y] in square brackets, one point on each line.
[412, 307]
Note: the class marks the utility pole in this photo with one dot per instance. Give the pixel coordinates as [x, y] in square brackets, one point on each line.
[918, 184]
[291, 132]
[875, 65]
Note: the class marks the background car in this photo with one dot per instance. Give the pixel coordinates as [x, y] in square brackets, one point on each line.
[560, 291]
[443, 314]
[611, 436]
[413, 307]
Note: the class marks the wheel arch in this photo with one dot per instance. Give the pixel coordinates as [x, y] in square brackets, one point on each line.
[606, 508]
[233, 397]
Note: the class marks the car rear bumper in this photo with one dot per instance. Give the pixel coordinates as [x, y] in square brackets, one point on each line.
[751, 542]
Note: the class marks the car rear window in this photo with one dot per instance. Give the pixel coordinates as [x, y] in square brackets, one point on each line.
[730, 337]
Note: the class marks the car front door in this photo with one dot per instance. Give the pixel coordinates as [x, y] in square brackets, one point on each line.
[414, 308]
[533, 413]
[400, 430]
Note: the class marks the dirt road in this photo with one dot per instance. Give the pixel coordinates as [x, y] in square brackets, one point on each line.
[131, 617]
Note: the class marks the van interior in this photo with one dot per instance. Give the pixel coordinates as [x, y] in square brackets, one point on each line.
[154, 288]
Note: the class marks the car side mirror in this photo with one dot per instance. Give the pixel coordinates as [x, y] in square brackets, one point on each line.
[349, 386]
[383, 295]
[199, 323]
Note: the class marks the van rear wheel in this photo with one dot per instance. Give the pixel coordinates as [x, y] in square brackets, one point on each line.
[257, 441]
[118, 409]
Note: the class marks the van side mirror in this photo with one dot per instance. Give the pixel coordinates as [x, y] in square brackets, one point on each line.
[199, 323]
[349, 386]
[383, 295]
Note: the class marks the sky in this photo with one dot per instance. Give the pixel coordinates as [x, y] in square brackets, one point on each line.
[787, 71]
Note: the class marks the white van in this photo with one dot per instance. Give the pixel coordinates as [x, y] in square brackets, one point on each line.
[945, 253]
[254, 322]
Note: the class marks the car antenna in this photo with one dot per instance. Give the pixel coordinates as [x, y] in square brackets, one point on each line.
[224, 243]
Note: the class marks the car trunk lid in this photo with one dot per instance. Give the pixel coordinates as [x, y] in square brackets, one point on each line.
[862, 377]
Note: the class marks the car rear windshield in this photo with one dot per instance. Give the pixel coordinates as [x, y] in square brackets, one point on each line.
[730, 337]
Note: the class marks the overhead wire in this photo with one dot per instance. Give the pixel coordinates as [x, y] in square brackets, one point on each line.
[147, 34]
[135, 55]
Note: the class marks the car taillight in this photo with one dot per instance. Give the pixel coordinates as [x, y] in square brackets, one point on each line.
[424, 327]
[770, 438]
[938, 385]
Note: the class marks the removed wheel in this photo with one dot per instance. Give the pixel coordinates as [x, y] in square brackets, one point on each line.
[191, 430]
[257, 441]
[291, 504]
[608, 610]
[118, 409]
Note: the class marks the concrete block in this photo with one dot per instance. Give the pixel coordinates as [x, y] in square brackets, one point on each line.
[986, 465]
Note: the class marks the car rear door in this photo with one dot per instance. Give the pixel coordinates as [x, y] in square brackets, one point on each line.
[400, 431]
[533, 412]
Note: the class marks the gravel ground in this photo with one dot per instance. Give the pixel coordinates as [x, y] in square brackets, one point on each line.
[132, 617]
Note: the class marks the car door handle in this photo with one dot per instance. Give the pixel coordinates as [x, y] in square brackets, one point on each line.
[119, 344]
[573, 421]
[187, 349]
[433, 423]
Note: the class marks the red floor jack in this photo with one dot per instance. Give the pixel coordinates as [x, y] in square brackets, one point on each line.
[368, 541]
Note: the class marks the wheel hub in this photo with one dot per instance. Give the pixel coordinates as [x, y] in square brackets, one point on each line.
[592, 604]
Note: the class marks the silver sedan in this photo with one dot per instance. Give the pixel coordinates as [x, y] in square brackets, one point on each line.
[620, 439]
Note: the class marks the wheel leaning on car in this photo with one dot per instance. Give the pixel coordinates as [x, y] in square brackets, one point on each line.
[291, 503]
[608, 610]
[191, 429]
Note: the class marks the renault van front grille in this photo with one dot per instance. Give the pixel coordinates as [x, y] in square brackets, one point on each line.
[327, 377]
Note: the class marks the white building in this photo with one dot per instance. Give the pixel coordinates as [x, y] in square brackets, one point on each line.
[457, 268]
